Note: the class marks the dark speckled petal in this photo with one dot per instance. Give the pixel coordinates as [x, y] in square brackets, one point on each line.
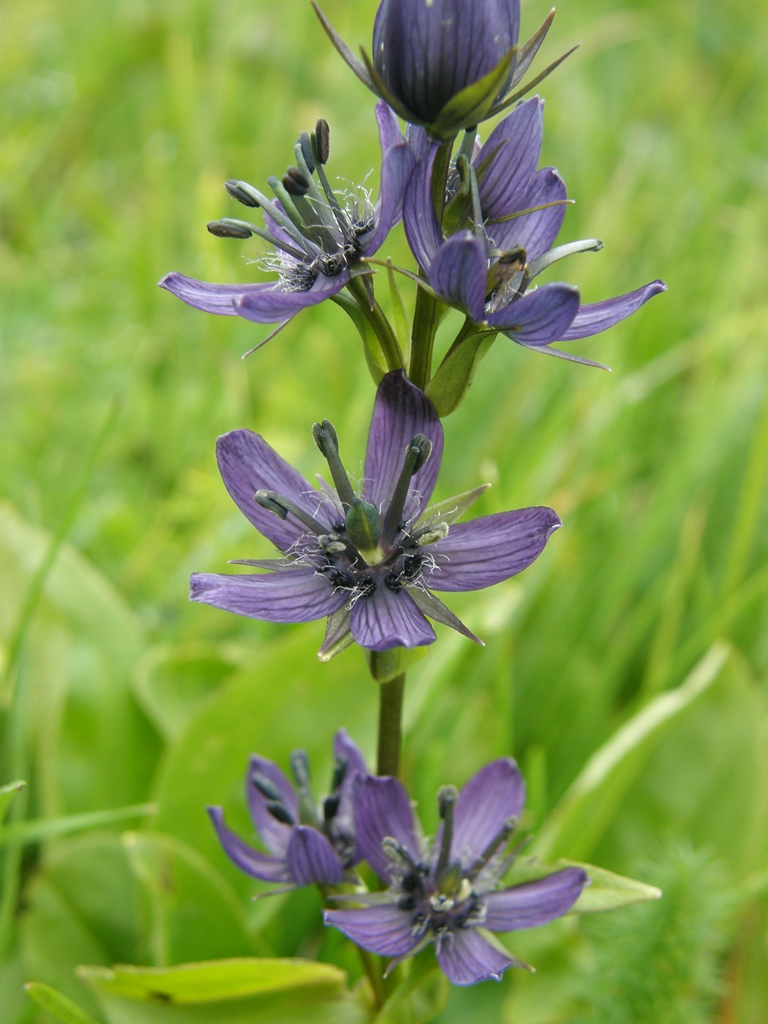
[385, 930]
[400, 412]
[466, 958]
[540, 317]
[534, 903]
[386, 619]
[272, 303]
[516, 145]
[311, 858]
[492, 795]
[599, 316]
[288, 595]
[273, 833]
[458, 273]
[243, 856]
[382, 809]
[488, 550]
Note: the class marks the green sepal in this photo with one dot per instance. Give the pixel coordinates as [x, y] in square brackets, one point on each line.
[456, 372]
[473, 104]
[387, 665]
[343, 50]
[59, 1006]
[452, 509]
[606, 891]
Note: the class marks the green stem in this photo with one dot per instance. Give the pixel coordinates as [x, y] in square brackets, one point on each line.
[390, 726]
[380, 325]
[372, 967]
[423, 339]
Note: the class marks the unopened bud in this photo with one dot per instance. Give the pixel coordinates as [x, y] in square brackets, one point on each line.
[229, 229]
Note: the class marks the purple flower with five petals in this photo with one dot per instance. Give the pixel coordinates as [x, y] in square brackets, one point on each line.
[369, 562]
[318, 237]
[487, 266]
[308, 845]
[449, 893]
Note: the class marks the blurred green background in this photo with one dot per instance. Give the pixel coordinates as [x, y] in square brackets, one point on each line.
[626, 670]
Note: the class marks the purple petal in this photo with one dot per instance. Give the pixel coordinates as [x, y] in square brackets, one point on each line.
[248, 464]
[385, 930]
[515, 145]
[311, 858]
[382, 809]
[492, 795]
[204, 295]
[535, 232]
[287, 595]
[422, 228]
[466, 958]
[459, 271]
[427, 53]
[386, 619]
[599, 316]
[396, 167]
[346, 749]
[488, 550]
[534, 903]
[273, 833]
[243, 856]
[270, 303]
[400, 412]
[540, 317]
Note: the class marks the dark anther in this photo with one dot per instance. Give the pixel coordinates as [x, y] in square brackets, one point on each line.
[330, 807]
[228, 229]
[237, 192]
[295, 183]
[339, 773]
[412, 566]
[393, 582]
[366, 586]
[409, 883]
[280, 812]
[322, 141]
[406, 903]
[265, 786]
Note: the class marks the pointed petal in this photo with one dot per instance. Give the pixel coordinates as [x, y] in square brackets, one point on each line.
[346, 749]
[385, 930]
[248, 464]
[435, 609]
[396, 168]
[204, 295]
[535, 232]
[422, 228]
[382, 809]
[288, 595]
[270, 303]
[599, 316]
[485, 551]
[243, 856]
[273, 833]
[346, 54]
[458, 273]
[400, 412]
[386, 619]
[516, 146]
[534, 903]
[540, 317]
[466, 958]
[492, 795]
[311, 858]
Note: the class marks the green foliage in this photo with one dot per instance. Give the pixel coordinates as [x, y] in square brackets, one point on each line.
[119, 124]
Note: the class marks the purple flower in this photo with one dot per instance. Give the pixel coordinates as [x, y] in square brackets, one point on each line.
[449, 893]
[487, 266]
[318, 238]
[368, 562]
[308, 845]
[444, 64]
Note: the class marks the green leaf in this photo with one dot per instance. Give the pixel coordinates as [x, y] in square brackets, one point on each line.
[194, 913]
[455, 374]
[56, 1004]
[7, 793]
[588, 807]
[39, 829]
[239, 991]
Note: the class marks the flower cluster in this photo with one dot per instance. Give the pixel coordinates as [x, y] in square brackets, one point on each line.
[448, 892]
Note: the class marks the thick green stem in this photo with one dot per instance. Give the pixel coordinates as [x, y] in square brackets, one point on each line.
[380, 325]
[423, 339]
[372, 967]
[390, 726]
